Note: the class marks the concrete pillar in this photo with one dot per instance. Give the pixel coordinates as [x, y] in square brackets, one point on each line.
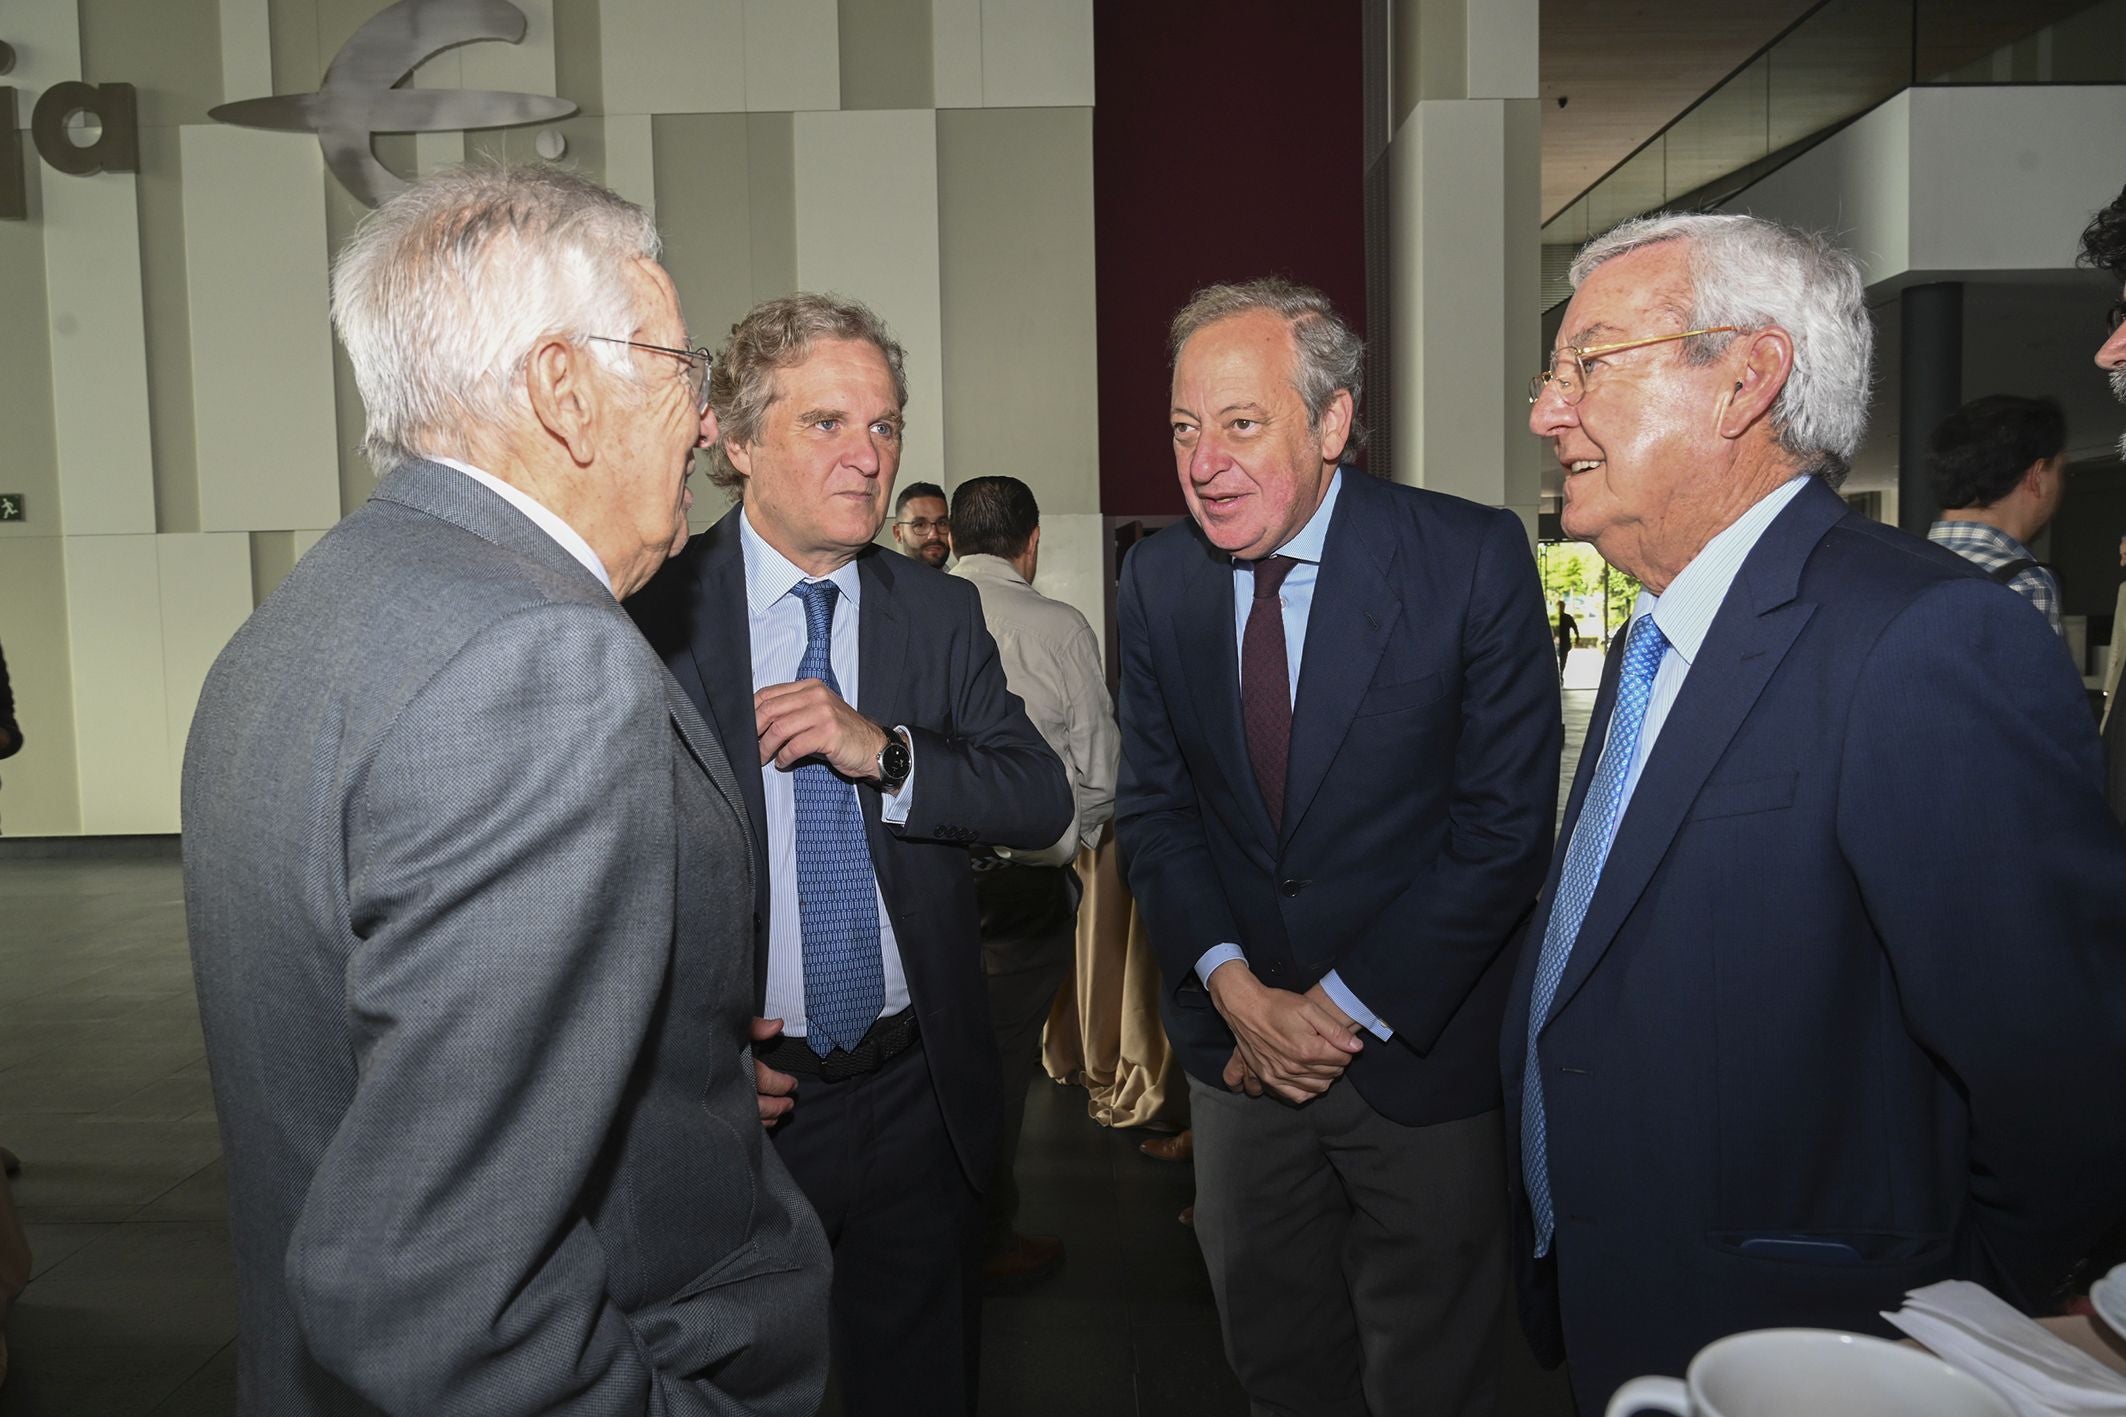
[1453, 177]
[1930, 388]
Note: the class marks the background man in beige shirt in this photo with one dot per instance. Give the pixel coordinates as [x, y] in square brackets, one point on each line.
[1029, 900]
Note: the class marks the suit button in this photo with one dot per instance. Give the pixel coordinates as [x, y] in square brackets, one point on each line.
[1292, 888]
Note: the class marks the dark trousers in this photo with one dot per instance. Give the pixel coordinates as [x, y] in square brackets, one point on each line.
[1029, 939]
[1360, 1266]
[872, 1155]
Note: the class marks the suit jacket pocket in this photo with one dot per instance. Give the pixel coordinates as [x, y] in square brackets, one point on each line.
[1737, 799]
[1391, 698]
[1835, 1248]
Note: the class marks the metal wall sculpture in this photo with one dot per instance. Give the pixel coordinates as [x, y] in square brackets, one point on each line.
[357, 100]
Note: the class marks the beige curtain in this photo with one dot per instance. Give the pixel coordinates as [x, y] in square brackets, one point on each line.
[1104, 1030]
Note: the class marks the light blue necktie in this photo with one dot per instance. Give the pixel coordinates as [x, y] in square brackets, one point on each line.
[1591, 837]
[837, 894]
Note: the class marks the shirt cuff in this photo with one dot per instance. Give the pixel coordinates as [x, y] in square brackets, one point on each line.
[893, 806]
[1216, 955]
[1333, 985]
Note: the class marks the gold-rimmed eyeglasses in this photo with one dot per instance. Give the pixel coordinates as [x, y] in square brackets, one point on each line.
[1568, 364]
[698, 363]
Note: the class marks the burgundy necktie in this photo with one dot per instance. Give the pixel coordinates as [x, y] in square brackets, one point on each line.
[1266, 686]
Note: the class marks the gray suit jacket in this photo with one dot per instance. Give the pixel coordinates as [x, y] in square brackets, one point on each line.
[470, 896]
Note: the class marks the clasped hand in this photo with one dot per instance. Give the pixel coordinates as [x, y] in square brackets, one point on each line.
[806, 719]
[1295, 1045]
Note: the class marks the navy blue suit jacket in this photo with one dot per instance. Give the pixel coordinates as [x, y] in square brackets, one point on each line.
[1419, 801]
[1847, 1014]
[983, 774]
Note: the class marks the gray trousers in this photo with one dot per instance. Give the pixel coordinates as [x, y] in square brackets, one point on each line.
[1360, 1266]
[1029, 941]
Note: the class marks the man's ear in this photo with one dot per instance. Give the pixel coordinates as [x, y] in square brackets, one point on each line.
[740, 457]
[1336, 426]
[1767, 364]
[558, 377]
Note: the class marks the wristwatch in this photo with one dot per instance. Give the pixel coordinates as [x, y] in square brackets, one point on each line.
[893, 761]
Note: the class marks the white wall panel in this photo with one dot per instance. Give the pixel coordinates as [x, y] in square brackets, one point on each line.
[793, 55]
[99, 353]
[673, 56]
[46, 35]
[255, 272]
[127, 767]
[1072, 568]
[956, 52]
[43, 793]
[205, 588]
[1502, 59]
[867, 226]
[246, 49]
[630, 166]
[1037, 53]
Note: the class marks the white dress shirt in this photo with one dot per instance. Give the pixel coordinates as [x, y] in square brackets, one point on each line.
[543, 519]
[775, 620]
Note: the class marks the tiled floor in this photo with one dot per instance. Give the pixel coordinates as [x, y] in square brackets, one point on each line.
[131, 1311]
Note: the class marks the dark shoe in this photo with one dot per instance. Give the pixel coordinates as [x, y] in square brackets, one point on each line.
[1188, 1216]
[1179, 1147]
[10, 1164]
[1024, 1260]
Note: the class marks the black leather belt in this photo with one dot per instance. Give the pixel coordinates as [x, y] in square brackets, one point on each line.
[886, 1040]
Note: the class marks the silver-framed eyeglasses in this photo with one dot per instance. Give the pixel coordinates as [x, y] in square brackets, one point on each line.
[1568, 363]
[699, 362]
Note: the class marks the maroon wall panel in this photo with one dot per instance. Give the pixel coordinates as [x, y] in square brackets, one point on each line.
[1227, 143]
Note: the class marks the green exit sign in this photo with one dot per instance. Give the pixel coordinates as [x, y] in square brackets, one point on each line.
[11, 507]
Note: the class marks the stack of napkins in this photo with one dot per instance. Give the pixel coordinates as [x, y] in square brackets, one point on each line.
[1968, 1327]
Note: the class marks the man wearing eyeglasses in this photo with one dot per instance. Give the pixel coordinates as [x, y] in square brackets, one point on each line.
[869, 699]
[921, 526]
[467, 877]
[1837, 911]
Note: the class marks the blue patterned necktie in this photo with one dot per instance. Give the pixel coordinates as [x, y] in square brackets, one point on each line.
[837, 894]
[1591, 837]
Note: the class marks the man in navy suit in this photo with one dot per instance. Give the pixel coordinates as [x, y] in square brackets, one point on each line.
[1340, 730]
[1834, 948]
[867, 695]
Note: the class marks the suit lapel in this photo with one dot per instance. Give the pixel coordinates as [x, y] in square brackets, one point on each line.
[881, 642]
[1756, 626]
[1210, 661]
[1355, 609]
[717, 670]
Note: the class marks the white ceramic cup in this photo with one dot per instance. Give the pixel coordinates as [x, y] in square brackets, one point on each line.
[1809, 1372]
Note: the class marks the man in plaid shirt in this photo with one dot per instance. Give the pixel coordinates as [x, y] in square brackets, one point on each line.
[1999, 466]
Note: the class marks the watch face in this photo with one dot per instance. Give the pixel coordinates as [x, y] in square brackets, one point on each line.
[893, 760]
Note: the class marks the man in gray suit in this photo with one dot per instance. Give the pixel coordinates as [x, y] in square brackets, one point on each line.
[469, 882]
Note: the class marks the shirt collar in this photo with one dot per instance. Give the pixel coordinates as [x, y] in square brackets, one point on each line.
[541, 516]
[770, 575]
[1686, 609]
[1950, 529]
[1307, 543]
[983, 566]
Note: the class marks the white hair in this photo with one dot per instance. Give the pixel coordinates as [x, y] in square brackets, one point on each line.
[443, 291]
[1752, 273]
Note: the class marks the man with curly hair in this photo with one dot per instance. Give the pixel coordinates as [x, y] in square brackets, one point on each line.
[2104, 249]
[870, 700]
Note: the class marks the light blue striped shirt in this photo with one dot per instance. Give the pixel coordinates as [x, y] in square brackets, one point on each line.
[1685, 613]
[775, 624]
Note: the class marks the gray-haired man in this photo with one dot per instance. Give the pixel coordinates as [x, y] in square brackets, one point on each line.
[1836, 906]
[468, 879]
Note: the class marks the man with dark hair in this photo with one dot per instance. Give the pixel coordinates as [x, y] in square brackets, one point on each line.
[1340, 727]
[1029, 900]
[1999, 467]
[2104, 248]
[883, 742]
[922, 528]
